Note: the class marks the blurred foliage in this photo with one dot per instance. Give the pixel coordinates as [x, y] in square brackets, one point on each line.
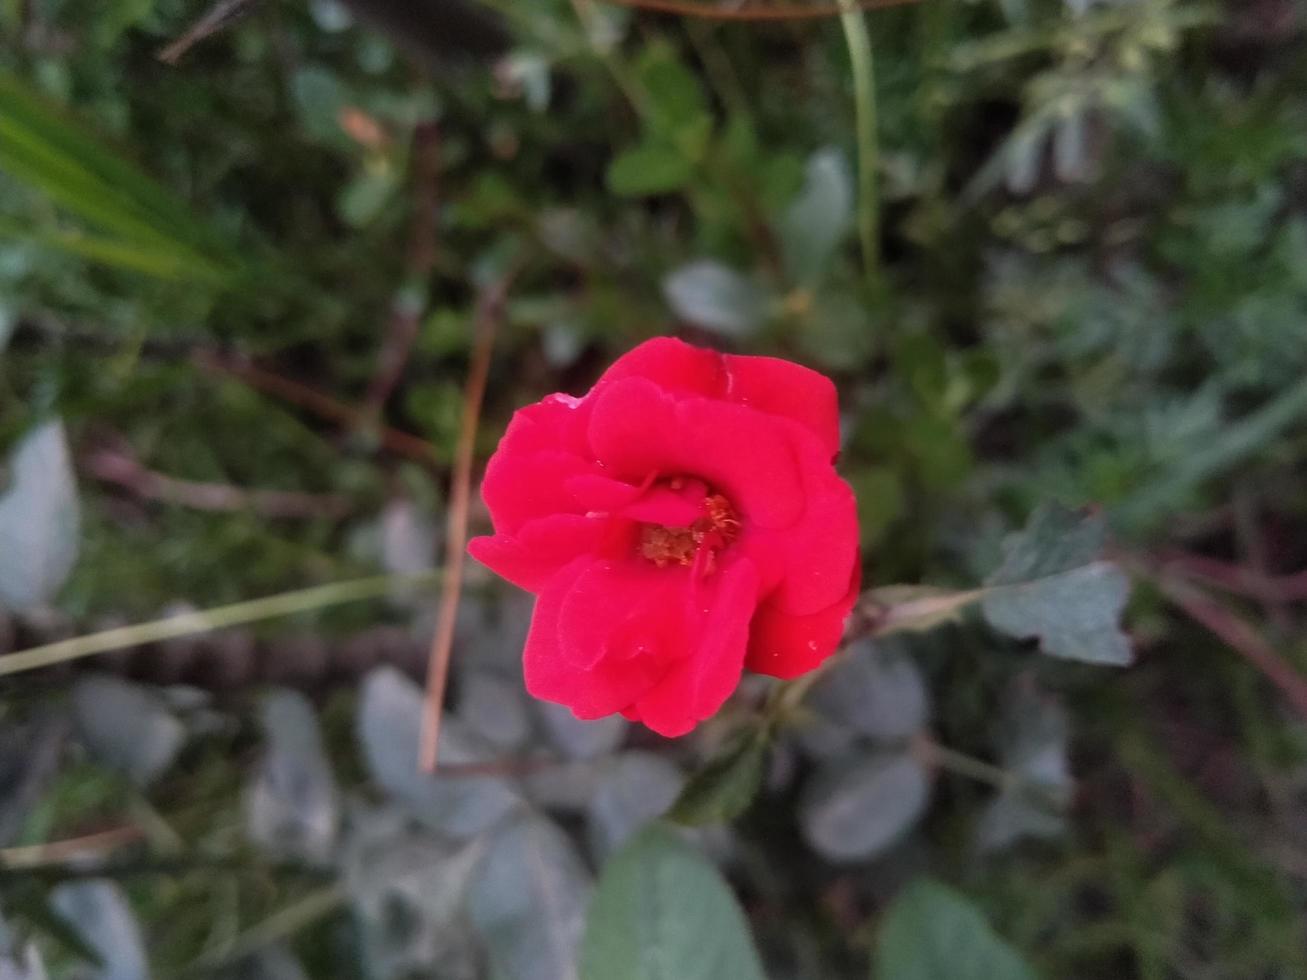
[1092, 290]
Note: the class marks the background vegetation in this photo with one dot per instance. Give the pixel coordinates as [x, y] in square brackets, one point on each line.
[1053, 251]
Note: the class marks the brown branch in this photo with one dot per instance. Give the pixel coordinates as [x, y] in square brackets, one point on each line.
[1238, 579]
[406, 315]
[489, 310]
[124, 470]
[746, 11]
[312, 400]
[500, 767]
[1240, 636]
[217, 18]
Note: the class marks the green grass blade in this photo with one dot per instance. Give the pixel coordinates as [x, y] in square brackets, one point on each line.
[44, 147]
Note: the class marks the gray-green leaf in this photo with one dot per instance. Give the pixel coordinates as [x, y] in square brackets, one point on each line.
[19, 960]
[854, 810]
[389, 724]
[39, 519]
[716, 298]
[100, 913]
[933, 933]
[292, 807]
[663, 912]
[819, 217]
[528, 901]
[634, 789]
[127, 727]
[1054, 587]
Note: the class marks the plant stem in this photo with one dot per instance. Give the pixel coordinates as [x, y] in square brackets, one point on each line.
[203, 621]
[942, 757]
[858, 39]
[286, 922]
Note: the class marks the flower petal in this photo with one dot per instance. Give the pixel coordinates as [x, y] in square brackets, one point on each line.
[530, 558]
[550, 658]
[521, 487]
[719, 609]
[785, 646]
[783, 388]
[636, 429]
[670, 364]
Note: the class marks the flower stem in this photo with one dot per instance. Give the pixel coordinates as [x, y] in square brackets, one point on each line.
[858, 39]
[203, 621]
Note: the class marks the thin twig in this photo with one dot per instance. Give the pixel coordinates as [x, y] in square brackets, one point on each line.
[1241, 637]
[406, 313]
[312, 400]
[486, 324]
[219, 17]
[16, 858]
[124, 470]
[206, 620]
[752, 11]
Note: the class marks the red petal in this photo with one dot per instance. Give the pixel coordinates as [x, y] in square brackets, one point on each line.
[531, 557]
[786, 646]
[780, 387]
[520, 487]
[719, 612]
[636, 429]
[670, 364]
[549, 660]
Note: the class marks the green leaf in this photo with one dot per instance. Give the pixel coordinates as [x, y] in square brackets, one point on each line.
[663, 912]
[650, 168]
[931, 932]
[41, 145]
[724, 788]
[674, 100]
[855, 809]
[39, 519]
[1052, 587]
[1237, 442]
[716, 298]
[819, 218]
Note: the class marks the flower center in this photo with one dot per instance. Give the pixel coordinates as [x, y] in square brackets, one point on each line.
[714, 530]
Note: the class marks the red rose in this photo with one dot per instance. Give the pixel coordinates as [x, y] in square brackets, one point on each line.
[681, 521]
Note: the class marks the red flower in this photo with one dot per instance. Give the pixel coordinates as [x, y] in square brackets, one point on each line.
[681, 521]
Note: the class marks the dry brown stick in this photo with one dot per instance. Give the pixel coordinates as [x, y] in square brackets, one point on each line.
[268, 382]
[406, 314]
[1240, 636]
[746, 11]
[126, 471]
[489, 310]
[219, 17]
